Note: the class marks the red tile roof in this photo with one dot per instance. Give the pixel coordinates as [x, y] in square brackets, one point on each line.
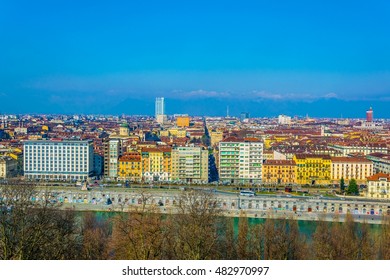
[279, 162]
[350, 159]
[303, 156]
[377, 176]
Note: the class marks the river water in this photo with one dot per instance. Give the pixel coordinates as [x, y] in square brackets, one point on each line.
[305, 227]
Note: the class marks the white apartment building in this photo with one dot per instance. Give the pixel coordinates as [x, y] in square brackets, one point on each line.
[58, 159]
[112, 151]
[378, 186]
[351, 168]
[240, 160]
[190, 164]
[363, 149]
[381, 162]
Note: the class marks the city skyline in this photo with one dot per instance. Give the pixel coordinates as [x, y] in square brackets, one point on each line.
[224, 112]
[325, 59]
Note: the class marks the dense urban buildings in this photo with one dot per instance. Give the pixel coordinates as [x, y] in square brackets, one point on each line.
[191, 150]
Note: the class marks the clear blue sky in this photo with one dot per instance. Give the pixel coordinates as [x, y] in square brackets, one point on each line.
[104, 56]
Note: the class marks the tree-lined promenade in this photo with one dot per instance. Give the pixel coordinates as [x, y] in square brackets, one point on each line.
[198, 230]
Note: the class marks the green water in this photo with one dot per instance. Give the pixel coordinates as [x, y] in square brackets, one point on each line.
[307, 228]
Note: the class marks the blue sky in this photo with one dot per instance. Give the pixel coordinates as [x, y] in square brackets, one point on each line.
[117, 56]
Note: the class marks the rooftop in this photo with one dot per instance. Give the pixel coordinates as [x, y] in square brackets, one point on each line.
[378, 176]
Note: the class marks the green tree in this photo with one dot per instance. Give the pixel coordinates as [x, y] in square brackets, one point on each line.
[353, 187]
[342, 185]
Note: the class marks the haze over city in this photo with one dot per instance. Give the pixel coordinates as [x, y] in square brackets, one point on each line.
[324, 59]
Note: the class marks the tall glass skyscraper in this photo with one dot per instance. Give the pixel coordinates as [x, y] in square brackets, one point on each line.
[160, 108]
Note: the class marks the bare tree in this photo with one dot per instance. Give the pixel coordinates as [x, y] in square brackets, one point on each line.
[96, 236]
[322, 241]
[384, 240]
[297, 248]
[31, 229]
[196, 227]
[230, 252]
[138, 234]
[243, 237]
[256, 242]
[367, 246]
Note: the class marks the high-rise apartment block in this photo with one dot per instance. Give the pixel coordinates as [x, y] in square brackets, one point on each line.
[112, 151]
[240, 160]
[58, 159]
[190, 164]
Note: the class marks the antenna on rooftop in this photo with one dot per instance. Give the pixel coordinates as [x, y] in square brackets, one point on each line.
[227, 111]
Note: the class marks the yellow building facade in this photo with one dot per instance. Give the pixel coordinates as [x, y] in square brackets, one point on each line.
[274, 139]
[164, 133]
[156, 164]
[313, 169]
[178, 132]
[129, 167]
[183, 121]
[279, 172]
[215, 137]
